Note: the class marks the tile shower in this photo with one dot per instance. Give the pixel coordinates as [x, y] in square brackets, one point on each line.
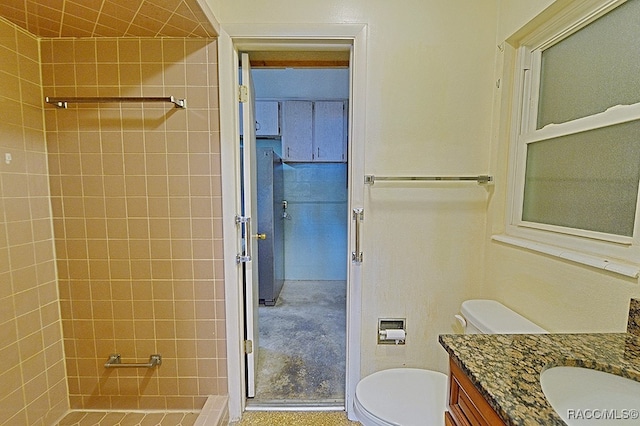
[110, 237]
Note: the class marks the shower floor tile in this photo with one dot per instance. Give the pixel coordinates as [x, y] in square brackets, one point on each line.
[110, 418]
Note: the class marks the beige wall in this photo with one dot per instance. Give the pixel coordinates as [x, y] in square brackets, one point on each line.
[515, 14]
[137, 217]
[559, 295]
[34, 387]
[428, 112]
[433, 108]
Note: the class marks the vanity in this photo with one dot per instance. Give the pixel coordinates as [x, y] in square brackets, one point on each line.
[495, 378]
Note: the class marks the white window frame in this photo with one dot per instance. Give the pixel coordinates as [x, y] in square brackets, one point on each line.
[613, 251]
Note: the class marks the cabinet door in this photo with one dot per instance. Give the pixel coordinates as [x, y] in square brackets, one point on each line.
[467, 406]
[297, 130]
[267, 118]
[329, 131]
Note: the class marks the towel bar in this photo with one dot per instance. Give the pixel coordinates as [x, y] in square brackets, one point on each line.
[116, 362]
[482, 179]
[63, 102]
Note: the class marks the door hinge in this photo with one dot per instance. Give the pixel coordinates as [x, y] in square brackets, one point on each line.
[243, 93]
[248, 346]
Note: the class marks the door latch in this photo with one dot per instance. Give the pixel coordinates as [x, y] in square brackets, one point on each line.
[245, 223]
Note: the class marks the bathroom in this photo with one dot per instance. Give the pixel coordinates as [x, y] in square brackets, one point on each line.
[432, 107]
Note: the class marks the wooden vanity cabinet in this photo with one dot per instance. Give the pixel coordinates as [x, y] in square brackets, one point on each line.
[467, 406]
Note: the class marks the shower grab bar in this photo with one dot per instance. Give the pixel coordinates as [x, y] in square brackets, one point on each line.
[63, 102]
[481, 179]
[116, 362]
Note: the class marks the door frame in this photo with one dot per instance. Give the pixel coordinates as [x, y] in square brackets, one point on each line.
[234, 37]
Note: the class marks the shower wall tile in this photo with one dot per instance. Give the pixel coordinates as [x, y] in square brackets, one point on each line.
[136, 198]
[34, 387]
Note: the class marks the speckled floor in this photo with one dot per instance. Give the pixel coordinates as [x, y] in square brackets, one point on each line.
[295, 418]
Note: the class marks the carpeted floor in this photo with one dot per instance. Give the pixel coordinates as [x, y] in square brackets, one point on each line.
[302, 343]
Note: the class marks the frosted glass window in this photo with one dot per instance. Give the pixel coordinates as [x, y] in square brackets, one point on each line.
[587, 180]
[593, 69]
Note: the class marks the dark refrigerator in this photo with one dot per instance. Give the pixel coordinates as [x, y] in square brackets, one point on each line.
[270, 190]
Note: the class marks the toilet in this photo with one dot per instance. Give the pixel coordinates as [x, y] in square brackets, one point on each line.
[418, 397]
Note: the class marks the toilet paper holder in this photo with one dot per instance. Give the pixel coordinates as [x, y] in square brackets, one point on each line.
[392, 331]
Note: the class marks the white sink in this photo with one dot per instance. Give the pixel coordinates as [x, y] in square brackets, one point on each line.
[582, 396]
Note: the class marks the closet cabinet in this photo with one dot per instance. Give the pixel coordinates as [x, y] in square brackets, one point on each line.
[314, 131]
[329, 131]
[267, 118]
[297, 131]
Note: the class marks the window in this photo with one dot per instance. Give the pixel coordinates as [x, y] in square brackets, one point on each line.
[577, 144]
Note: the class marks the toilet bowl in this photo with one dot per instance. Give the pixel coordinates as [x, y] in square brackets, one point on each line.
[418, 397]
[401, 396]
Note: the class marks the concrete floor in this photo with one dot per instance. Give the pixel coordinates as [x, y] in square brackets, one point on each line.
[302, 345]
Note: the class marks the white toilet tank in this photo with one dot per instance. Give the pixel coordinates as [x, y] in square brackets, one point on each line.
[491, 317]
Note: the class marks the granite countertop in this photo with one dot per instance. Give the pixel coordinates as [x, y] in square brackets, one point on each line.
[506, 367]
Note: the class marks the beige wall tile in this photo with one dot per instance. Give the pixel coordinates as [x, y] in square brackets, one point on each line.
[123, 229]
[135, 219]
[30, 316]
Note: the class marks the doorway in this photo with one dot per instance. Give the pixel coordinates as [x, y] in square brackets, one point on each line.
[240, 37]
[301, 114]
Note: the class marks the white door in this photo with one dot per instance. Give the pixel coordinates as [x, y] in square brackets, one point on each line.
[250, 206]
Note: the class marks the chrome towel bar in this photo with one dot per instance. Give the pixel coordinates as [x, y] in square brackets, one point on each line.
[116, 362]
[482, 179]
[63, 102]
